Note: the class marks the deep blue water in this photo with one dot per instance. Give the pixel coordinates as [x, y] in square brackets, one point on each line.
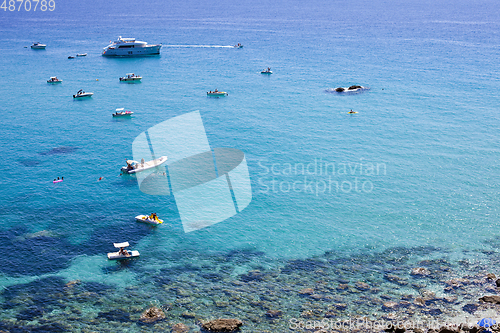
[429, 122]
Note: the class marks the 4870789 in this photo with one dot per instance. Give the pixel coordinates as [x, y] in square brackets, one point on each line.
[28, 5]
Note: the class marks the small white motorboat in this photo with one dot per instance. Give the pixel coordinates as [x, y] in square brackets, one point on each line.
[81, 55]
[54, 79]
[38, 46]
[238, 46]
[123, 253]
[134, 166]
[120, 112]
[353, 88]
[216, 93]
[131, 77]
[267, 71]
[81, 94]
[151, 219]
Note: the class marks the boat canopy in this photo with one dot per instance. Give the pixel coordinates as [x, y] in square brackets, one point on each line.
[126, 39]
[120, 109]
[130, 74]
[124, 244]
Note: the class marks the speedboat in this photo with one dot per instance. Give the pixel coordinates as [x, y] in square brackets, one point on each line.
[129, 47]
[216, 93]
[54, 79]
[131, 77]
[81, 55]
[238, 46]
[151, 219]
[353, 88]
[38, 46]
[81, 94]
[122, 253]
[122, 113]
[267, 71]
[134, 166]
[71, 57]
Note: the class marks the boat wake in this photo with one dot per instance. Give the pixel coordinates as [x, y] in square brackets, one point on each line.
[203, 46]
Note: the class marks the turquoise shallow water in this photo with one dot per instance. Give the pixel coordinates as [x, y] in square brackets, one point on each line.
[428, 121]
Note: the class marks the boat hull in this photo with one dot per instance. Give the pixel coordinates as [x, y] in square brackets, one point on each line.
[135, 79]
[118, 256]
[147, 165]
[122, 114]
[83, 95]
[132, 51]
[218, 94]
[147, 219]
[54, 82]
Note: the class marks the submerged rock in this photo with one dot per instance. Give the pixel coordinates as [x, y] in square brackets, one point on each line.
[390, 306]
[180, 328]
[491, 299]
[306, 291]
[420, 271]
[222, 325]
[273, 314]
[362, 285]
[152, 315]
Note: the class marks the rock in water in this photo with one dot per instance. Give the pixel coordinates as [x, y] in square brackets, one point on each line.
[339, 89]
[274, 314]
[222, 325]
[180, 328]
[420, 271]
[491, 299]
[151, 315]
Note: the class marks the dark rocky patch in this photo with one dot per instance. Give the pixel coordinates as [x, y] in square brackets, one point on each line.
[252, 276]
[60, 150]
[305, 265]
[222, 325]
[30, 162]
[30, 313]
[214, 277]
[33, 256]
[470, 308]
[115, 315]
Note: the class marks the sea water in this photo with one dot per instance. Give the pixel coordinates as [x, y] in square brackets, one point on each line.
[416, 167]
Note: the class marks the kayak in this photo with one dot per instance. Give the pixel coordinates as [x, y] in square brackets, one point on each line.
[58, 181]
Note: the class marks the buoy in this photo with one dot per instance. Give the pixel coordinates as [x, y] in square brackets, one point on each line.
[97, 79]
[100, 178]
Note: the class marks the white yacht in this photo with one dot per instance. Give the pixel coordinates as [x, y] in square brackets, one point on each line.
[129, 47]
[38, 46]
